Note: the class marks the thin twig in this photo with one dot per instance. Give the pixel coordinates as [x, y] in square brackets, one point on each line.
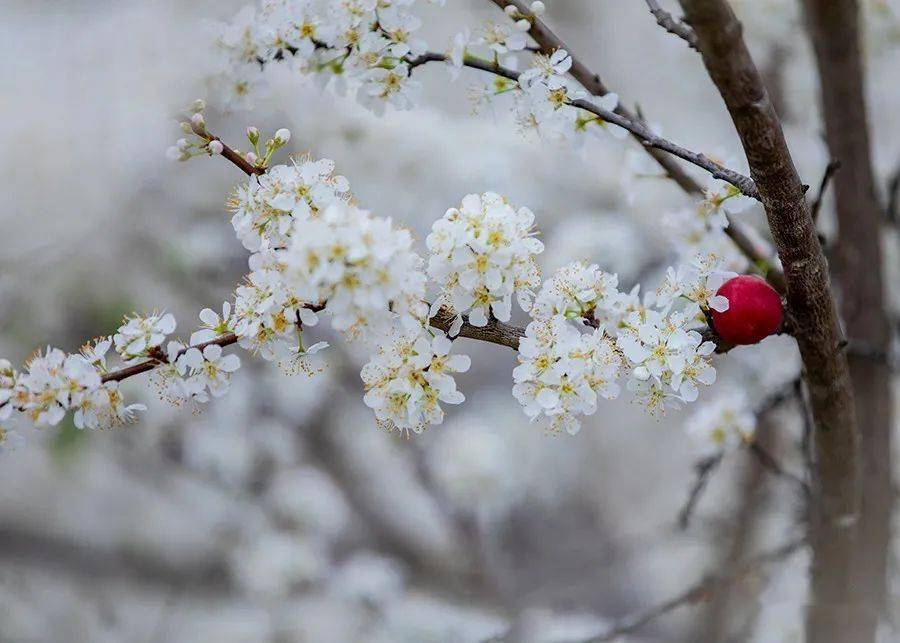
[833, 166]
[698, 592]
[676, 27]
[237, 159]
[770, 464]
[893, 198]
[635, 126]
[704, 470]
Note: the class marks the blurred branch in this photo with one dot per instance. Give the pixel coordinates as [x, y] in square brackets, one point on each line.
[550, 42]
[699, 592]
[770, 464]
[25, 547]
[675, 27]
[893, 198]
[704, 469]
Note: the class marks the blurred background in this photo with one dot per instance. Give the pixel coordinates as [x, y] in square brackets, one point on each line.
[281, 512]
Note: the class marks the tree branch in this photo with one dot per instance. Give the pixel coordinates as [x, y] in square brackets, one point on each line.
[704, 470]
[675, 27]
[638, 129]
[809, 297]
[550, 42]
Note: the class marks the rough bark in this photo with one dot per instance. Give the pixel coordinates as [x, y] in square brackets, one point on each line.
[834, 613]
[834, 30]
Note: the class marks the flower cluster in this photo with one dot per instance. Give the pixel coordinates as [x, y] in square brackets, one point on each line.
[481, 254]
[266, 208]
[360, 268]
[410, 375]
[696, 282]
[362, 43]
[545, 102]
[139, 336]
[193, 373]
[723, 423]
[562, 371]
[54, 383]
[586, 334]
[371, 49]
[267, 318]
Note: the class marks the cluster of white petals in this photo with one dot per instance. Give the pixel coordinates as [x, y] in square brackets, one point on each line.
[55, 383]
[587, 334]
[267, 207]
[139, 336]
[562, 372]
[483, 253]
[361, 45]
[195, 372]
[410, 375]
[267, 319]
[696, 282]
[545, 102]
[360, 268]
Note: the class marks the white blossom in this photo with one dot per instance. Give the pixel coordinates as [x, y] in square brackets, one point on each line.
[410, 375]
[562, 372]
[482, 254]
[139, 335]
[266, 207]
[359, 267]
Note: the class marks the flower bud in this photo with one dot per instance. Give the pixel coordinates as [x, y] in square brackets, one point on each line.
[198, 105]
[510, 10]
[538, 7]
[282, 136]
[186, 127]
[253, 135]
[182, 144]
[251, 158]
[216, 147]
[523, 25]
[198, 124]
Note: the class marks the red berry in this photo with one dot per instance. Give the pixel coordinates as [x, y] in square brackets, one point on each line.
[754, 310]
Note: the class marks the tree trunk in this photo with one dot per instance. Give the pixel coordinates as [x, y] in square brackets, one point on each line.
[834, 29]
[834, 614]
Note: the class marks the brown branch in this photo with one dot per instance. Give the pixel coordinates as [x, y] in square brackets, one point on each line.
[833, 166]
[699, 592]
[150, 364]
[237, 159]
[495, 332]
[809, 297]
[675, 27]
[550, 42]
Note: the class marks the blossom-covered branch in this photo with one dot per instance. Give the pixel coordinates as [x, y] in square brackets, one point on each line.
[632, 124]
[549, 43]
